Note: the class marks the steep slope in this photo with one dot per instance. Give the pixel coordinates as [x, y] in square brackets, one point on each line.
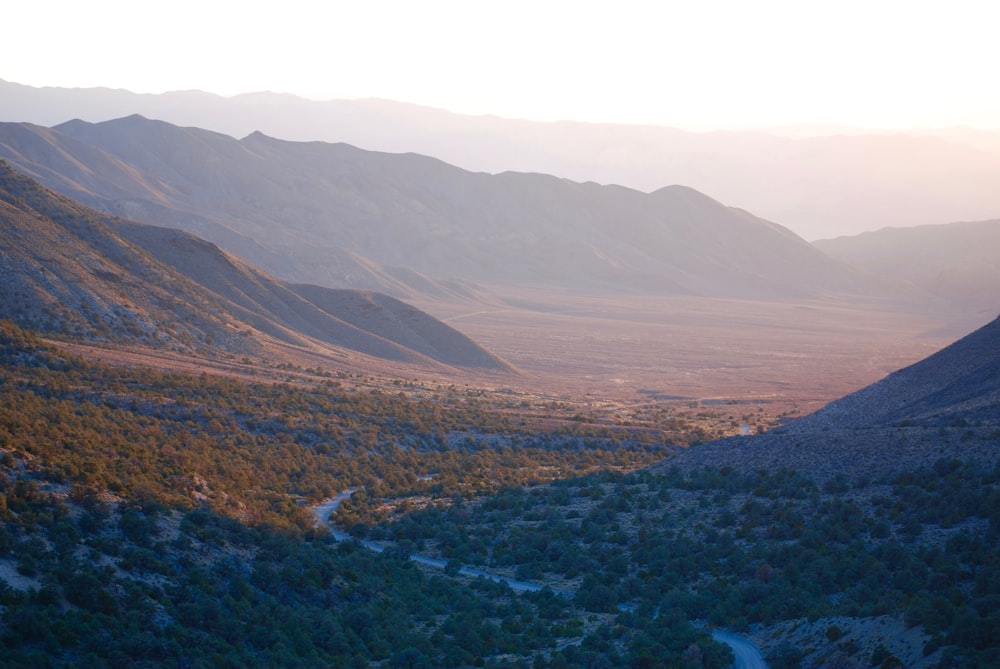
[402, 323]
[958, 385]
[956, 261]
[66, 271]
[101, 180]
[71, 270]
[945, 406]
[375, 324]
[324, 205]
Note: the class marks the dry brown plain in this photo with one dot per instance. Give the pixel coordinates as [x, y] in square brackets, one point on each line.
[632, 361]
[633, 349]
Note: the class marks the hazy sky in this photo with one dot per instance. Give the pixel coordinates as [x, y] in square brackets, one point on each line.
[693, 63]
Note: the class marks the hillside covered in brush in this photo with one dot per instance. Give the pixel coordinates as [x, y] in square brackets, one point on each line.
[165, 518]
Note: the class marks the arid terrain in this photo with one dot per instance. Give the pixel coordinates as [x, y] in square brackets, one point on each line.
[551, 423]
[680, 349]
[622, 358]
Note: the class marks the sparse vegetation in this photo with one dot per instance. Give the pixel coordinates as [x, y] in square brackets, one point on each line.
[159, 508]
[157, 516]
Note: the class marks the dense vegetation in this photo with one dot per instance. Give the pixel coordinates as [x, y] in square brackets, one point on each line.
[736, 549]
[262, 452]
[144, 586]
[163, 520]
[154, 519]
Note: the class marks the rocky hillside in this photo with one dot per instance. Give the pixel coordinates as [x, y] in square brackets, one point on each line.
[65, 271]
[959, 385]
[70, 270]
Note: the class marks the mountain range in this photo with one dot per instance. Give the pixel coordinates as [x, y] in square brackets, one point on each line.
[821, 182]
[954, 261]
[669, 292]
[70, 270]
[405, 224]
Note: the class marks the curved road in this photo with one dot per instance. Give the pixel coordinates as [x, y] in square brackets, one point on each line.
[326, 509]
[748, 656]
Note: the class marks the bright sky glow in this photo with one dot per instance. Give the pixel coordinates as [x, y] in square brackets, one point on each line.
[705, 64]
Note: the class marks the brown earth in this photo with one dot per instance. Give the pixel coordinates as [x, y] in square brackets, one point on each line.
[621, 358]
[788, 355]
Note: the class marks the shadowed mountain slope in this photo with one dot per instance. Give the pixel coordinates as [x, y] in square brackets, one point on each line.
[958, 385]
[335, 215]
[70, 270]
[945, 406]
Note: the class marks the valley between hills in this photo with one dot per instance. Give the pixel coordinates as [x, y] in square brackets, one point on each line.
[689, 429]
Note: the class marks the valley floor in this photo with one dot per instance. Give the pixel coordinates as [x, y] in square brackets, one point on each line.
[641, 348]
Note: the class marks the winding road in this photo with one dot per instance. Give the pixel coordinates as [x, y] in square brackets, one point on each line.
[325, 510]
[748, 655]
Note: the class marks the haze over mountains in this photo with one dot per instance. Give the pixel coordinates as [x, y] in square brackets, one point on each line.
[339, 216]
[171, 512]
[955, 261]
[587, 288]
[73, 271]
[820, 183]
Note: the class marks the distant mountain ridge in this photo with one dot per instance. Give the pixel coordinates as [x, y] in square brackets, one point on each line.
[955, 261]
[70, 270]
[335, 215]
[821, 183]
